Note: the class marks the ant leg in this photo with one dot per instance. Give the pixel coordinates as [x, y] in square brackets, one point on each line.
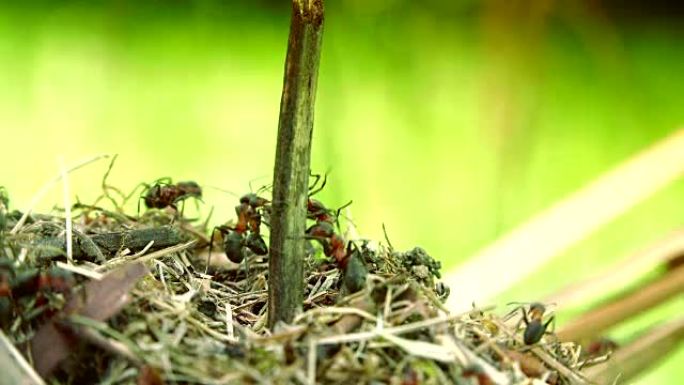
[211, 246]
[317, 176]
[523, 319]
[165, 180]
[551, 320]
[248, 280]
[145, 186]
[527, 321]
[182, 210]
[316, 191]
[337, 215]
[510, 314]
[175, 214]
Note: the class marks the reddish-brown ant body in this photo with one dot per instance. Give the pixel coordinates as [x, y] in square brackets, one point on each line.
[247, 230]
[317, 211]
[33, 285]
[600, 347]
[249, 213]
[234, 241]
[323, 232]
[334, 245]
[164, 194]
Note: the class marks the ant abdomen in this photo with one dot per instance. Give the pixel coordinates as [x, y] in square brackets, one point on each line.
[256, 243]
[232, 246]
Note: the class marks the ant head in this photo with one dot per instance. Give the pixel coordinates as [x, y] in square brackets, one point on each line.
[534, 308]
[321, 230]
[253, 200]
[315, 206]
[247, 198]
[537, 307]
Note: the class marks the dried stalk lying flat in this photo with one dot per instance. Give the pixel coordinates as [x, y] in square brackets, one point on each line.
[519, 253]
[185, 326]
[632, 360]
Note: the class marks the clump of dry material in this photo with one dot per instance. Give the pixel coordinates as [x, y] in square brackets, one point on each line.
[181, 321]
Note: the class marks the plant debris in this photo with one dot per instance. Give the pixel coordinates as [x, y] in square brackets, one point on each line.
[187, 321]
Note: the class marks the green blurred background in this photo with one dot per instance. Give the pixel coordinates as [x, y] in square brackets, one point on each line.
[450, 122]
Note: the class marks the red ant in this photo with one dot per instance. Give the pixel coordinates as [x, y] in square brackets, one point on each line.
[334, 245]
[32, 283]
[234, 241]
[246, 232]
[348, 258]
[535, 327]
[30, 280]
[600, 347]
[249, 213]
[161, 195]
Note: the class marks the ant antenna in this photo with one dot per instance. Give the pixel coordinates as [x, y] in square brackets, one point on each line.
[256, 179]
[223, 191]
[337, 215]
[165, 180]
[313, 186]
[211, 246]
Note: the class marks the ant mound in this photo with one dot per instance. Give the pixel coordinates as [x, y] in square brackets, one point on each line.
[117, 298]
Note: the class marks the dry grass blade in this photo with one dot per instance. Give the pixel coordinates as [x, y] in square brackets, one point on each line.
[634, 359]
[84, 271]
[147, 257]
[567, 222]
[14, 368]
[39, 195]
[595, 321]
[67, 212]
[620, 274]
[421, 348]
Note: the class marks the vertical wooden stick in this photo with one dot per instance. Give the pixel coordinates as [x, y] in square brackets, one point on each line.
[291, 174]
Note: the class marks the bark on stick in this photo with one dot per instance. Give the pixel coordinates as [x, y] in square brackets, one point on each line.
[291, 174]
